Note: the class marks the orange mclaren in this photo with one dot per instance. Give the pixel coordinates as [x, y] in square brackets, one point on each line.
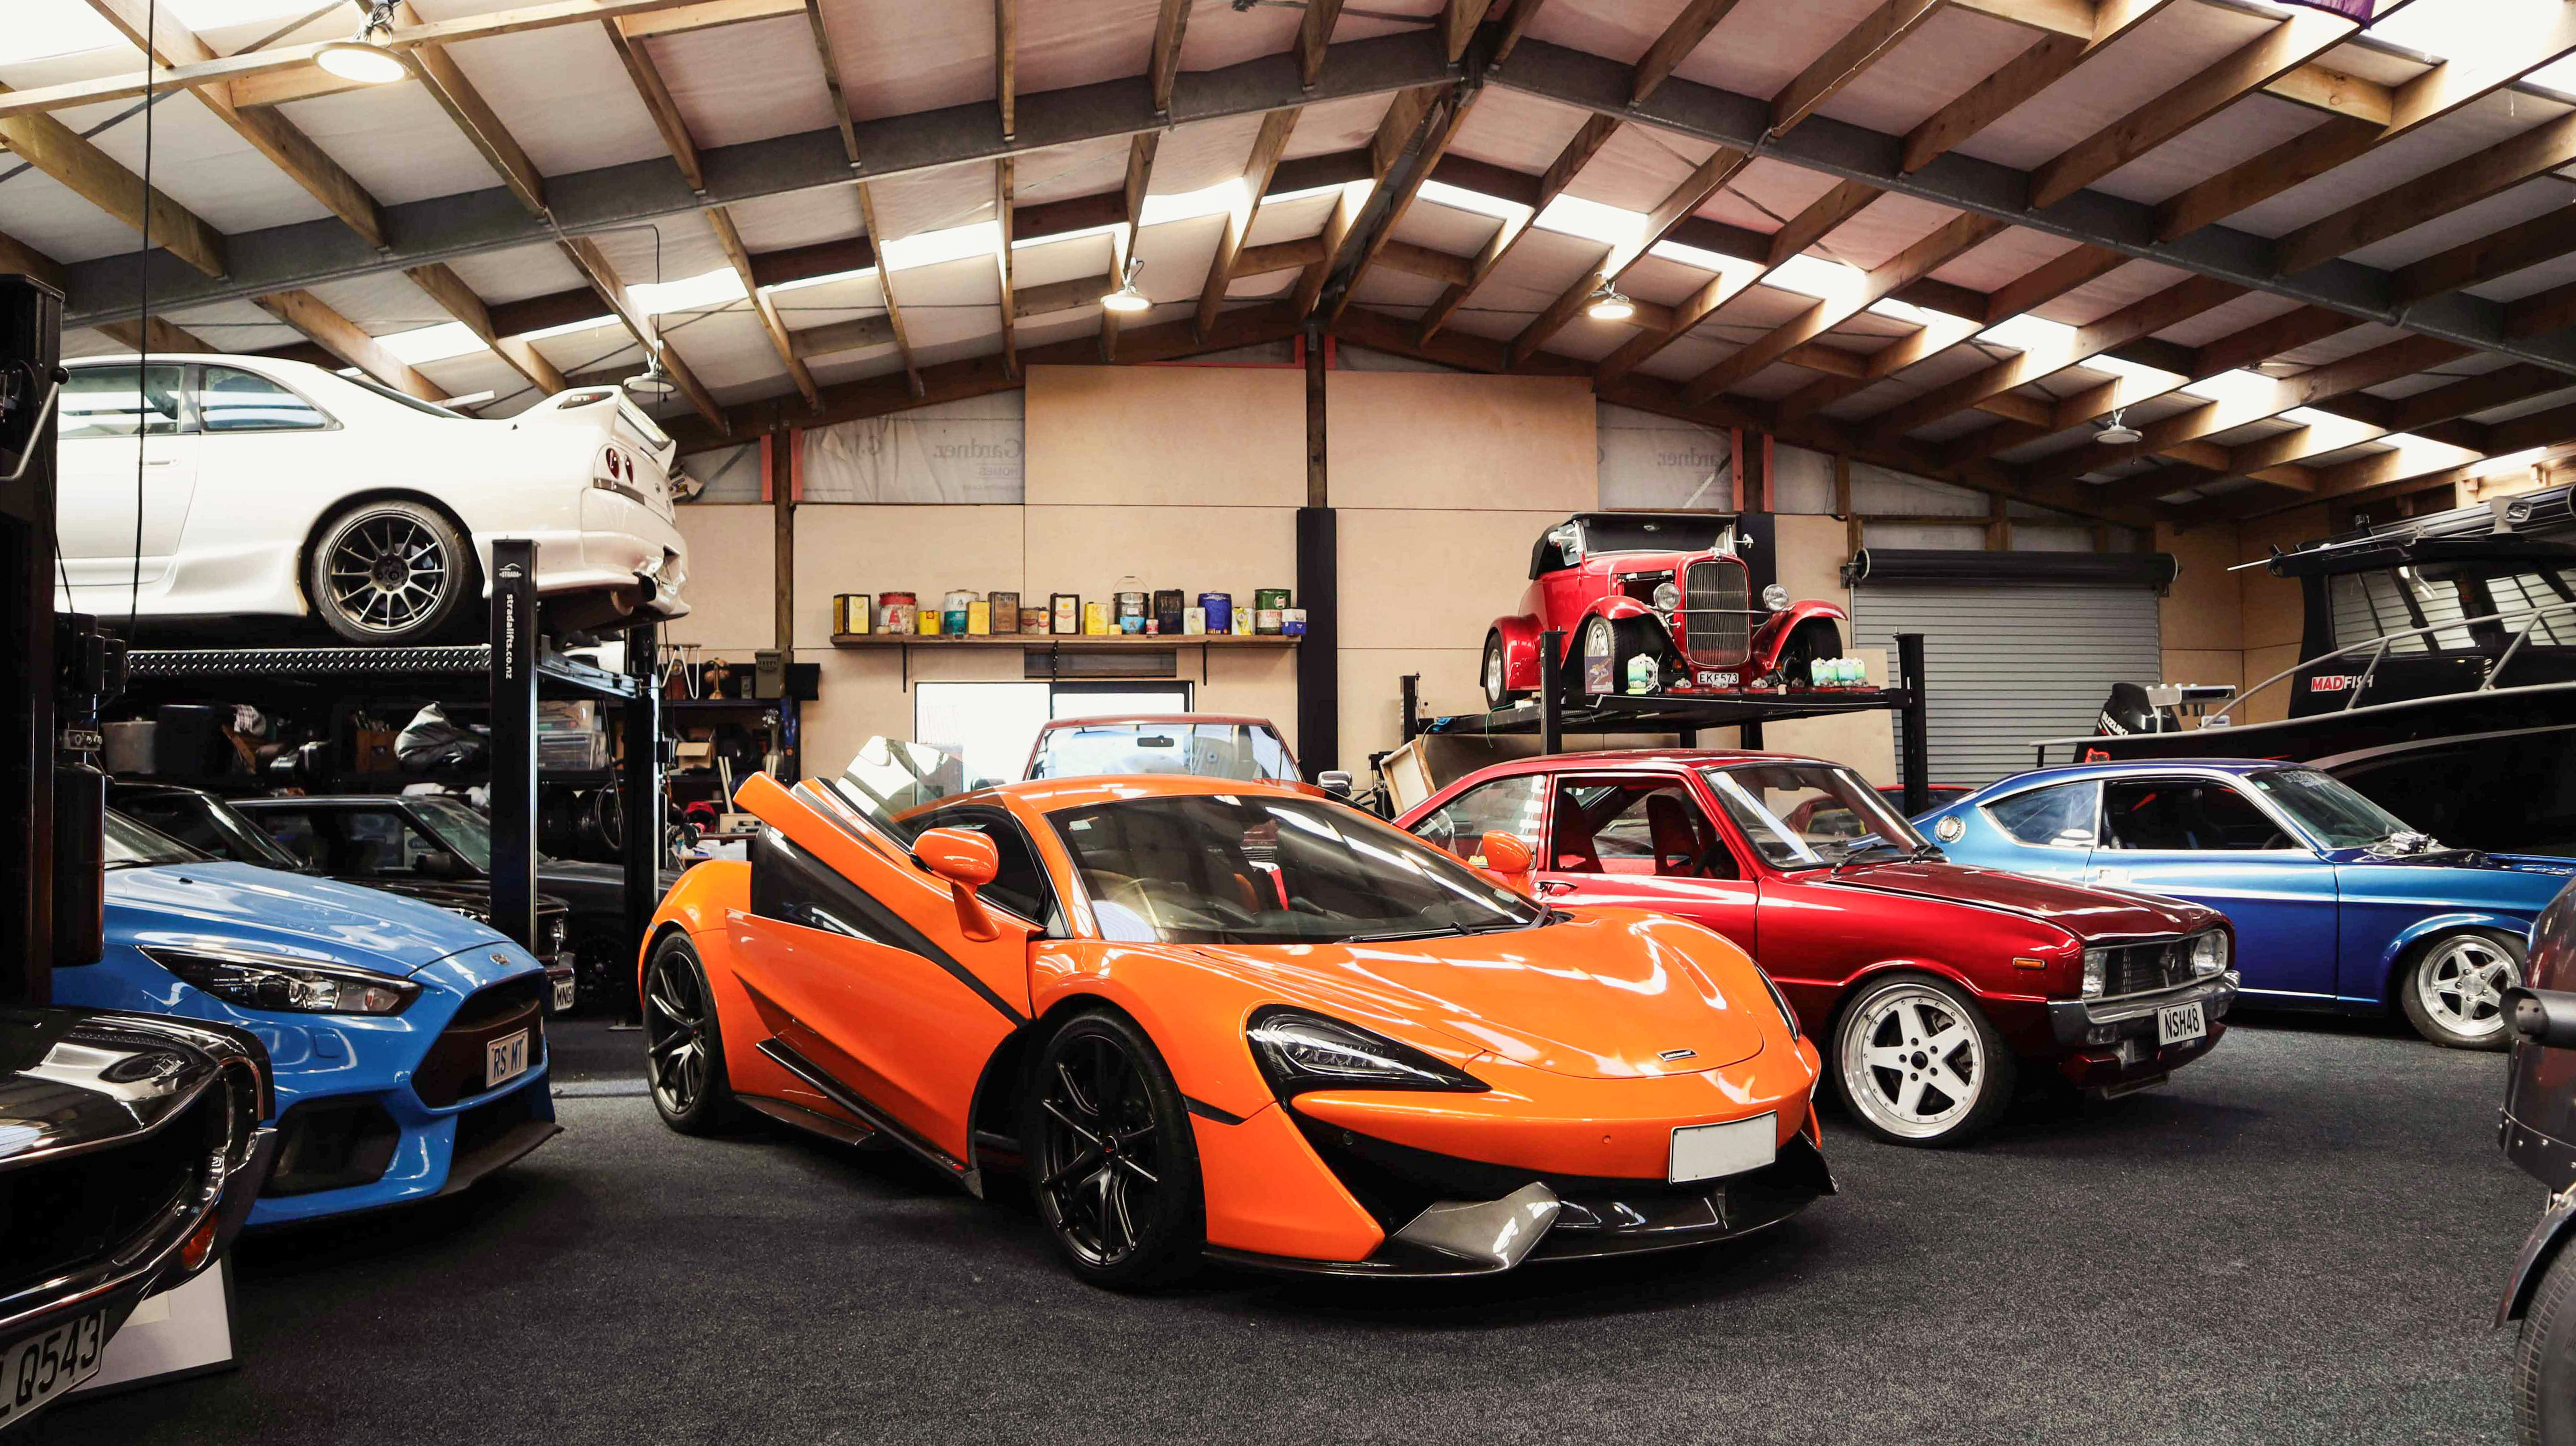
[1210, 1018]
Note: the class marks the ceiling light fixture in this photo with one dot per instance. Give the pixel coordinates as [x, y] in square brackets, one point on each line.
[2119, 433]
[1608, 305]
[651, 384]
[364, 58]
[2279, 368]
[1127, 297]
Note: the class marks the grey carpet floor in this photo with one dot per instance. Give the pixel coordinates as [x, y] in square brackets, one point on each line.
[2300, 1240]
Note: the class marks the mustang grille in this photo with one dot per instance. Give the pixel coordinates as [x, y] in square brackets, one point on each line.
[1717, 628]
[2139, 968]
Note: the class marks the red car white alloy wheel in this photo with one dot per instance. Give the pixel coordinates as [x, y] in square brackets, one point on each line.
[1911, 1062]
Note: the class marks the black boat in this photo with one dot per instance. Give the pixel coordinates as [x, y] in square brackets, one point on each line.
[2418, 636]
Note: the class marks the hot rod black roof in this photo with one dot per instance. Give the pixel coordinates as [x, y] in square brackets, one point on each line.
[1652, 531]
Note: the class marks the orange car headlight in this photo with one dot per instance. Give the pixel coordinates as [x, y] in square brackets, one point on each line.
[1298, 1051]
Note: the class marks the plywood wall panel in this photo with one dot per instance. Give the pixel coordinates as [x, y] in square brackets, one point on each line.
[1451, 440]
[1435, 579]
[1091, 550]
[732, 578]
[2204, 610]
[875, 548]
[1166, 436]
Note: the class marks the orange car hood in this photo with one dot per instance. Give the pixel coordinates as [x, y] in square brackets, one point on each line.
[1609, 994]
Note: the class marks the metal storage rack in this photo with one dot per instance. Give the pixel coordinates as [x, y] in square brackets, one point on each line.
[1548, 716]
[515, 670]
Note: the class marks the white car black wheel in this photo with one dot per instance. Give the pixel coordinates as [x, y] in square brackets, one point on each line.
[390, 572]
[1916, 1063]
[2454, 994]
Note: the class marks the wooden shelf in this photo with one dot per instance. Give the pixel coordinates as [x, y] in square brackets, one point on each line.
[1066, 640]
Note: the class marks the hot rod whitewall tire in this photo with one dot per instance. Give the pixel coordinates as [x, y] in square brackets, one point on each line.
[2544, 1360]
[1111, 1159]
[2452, 987]
[390, 571]
[1494, 672]
[684, 1052]
[1915, 1062]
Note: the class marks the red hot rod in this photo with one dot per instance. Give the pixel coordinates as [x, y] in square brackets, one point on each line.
[1667, 586]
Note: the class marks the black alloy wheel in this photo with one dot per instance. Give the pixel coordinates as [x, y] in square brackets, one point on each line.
[1114, 1167]
[390, 572]
[684, 1055]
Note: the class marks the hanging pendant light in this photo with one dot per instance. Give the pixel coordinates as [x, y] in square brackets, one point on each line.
[2119, 433]
[1607, 304]
[1127, 297]
[651, 384]
[364, 57]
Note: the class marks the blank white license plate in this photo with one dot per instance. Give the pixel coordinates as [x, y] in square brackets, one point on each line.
[505, 1059]
[41, 1367]
[2178, 1022]
[1705, 1152]
[564, 992]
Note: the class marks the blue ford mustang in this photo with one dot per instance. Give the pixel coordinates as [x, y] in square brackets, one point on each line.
[2337, 904]
[408, 1041]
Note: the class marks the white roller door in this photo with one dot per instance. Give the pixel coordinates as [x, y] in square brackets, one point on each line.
[2006, 664]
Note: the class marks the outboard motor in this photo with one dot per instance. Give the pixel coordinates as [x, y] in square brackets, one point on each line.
[2127, 711]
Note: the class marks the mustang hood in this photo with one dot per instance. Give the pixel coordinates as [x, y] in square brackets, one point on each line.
[2087, 913]
[1609, 994]
[243, 906]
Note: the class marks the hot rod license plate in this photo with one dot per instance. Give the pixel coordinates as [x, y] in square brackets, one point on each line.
[39, 1368]
[1708, 679]
[505, 1058]
[2178, 1022]
[1705, 1152]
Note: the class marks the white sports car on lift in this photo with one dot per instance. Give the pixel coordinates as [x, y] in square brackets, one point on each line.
[271, 487]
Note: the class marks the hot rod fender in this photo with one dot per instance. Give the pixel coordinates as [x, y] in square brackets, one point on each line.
[2539, 1250]
[1520, 650]
[1774, 633]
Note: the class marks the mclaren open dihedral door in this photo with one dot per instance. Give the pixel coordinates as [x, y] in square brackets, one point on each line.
[874, 983]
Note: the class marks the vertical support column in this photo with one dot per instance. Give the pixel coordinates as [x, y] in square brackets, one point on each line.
[30, 334]
[1914, 759]
[786, 490]
[514, 739]
[639, 791]
[1409, 698]
[1319, 656]
[1551, 691]
[1748, 735]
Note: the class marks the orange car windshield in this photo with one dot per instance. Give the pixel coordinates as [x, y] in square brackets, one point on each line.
[1228, 869]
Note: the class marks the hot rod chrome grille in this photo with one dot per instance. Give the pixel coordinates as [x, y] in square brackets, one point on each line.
[2140, 968]
[1717, 628]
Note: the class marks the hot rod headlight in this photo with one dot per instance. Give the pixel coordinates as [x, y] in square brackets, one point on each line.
[1668, 596]
[291, 986]
[1775, 597]
[2209, 953]
[2097, 971]
[1300, 1051]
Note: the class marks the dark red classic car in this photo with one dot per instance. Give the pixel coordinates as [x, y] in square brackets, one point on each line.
[1931, 984]
[1670, 587]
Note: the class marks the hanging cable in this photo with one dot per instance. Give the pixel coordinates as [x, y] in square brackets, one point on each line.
[143, 325]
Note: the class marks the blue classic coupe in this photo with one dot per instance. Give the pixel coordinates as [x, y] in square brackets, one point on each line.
[408, 1041]
[2337, 904]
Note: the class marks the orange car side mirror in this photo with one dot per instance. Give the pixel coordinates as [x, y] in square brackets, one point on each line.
[968, 861]
[1506, 857]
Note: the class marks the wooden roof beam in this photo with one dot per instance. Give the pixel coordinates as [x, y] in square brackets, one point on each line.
[1793, 238]
[90, 173]
[1674, 45]
[1676, 207]
[1140, 179]
[1587, 141]
[885, 280]
[729, 237]
[592, 263]
[1955, 237]
[656, 95]
[345, 339]
[459, 300]
[1267, 146]
[2022, 78]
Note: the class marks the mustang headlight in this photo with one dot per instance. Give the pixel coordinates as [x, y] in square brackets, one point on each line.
[290, 986]
[1668, 597]
[2209, 953]
[1298, 1051]
[2097, 971]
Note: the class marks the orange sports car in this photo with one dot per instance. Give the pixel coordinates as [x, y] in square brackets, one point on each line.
[1224, 1019]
